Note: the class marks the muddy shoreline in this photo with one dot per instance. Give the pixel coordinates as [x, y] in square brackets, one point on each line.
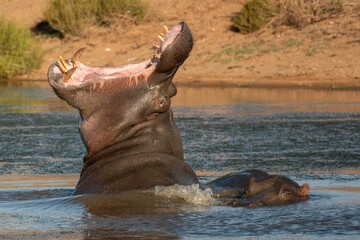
[269, 82]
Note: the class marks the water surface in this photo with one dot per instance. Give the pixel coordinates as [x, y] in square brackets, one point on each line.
[311, 136]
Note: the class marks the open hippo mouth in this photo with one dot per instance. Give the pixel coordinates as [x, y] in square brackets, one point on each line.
[172, 51]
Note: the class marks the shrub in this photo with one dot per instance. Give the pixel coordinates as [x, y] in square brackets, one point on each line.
[294, 13]
[112, 8]
[73, 17]
[254, 15]
[19, 52]
[299, 13]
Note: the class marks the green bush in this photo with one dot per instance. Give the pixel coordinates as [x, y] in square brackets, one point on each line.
[19, 52]
[254, 15]
[73, 17]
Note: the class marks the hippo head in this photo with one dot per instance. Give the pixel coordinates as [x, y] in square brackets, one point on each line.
[274, 190]
[112, 101]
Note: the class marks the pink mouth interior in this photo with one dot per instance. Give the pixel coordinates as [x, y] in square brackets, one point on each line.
[85, 73]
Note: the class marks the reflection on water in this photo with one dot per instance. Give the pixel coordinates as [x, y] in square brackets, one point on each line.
[309, 135]
[298, 100]
[29, 98]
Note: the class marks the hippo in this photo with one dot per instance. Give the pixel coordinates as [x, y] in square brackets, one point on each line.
[257, 188]
[127, 125]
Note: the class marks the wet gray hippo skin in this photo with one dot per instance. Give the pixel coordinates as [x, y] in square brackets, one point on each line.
[126, 125]
[128, 129]
[256, 188]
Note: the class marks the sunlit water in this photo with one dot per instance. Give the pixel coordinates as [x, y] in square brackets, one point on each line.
[310, 136]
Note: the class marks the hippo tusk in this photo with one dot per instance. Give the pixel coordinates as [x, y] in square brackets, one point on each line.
[161, 38]
[64, 63]
[75, 58]
[60, 64]
[166, 29]
[66, 77]
[68, 69]
[154, 58]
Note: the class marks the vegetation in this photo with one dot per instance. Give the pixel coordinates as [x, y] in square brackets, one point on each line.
[315, 49]
[72, 17]
[19, 52]
[294, 13]
[299, 13]
[247, 50]
[254, 15]
[232, 52]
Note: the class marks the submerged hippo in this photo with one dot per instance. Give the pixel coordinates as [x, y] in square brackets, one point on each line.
[126, 123]
[256, 188]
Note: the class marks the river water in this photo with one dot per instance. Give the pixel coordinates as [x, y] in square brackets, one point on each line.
[310, 136]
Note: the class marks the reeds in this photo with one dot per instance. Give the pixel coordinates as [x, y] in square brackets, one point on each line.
[19, 52]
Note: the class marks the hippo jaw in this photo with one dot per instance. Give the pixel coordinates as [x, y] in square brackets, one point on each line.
[67, 76]
[121, 98]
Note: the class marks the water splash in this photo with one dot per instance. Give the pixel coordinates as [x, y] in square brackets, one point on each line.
[191, 194]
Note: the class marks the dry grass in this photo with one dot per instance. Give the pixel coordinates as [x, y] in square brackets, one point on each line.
[299, 13]
[256, 14]
[73, 18]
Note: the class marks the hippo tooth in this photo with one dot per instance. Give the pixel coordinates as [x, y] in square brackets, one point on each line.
[161, 38]
[157, 56]
[61, 66]
[75, 58]
[64, 63]
[66, 77]
[166, 29]
[156, 46]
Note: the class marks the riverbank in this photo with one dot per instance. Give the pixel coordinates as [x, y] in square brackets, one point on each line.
[321, 55]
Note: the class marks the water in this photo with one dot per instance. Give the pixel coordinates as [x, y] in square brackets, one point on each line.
[308, 135]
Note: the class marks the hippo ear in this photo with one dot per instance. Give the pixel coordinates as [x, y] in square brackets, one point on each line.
[304, 190]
